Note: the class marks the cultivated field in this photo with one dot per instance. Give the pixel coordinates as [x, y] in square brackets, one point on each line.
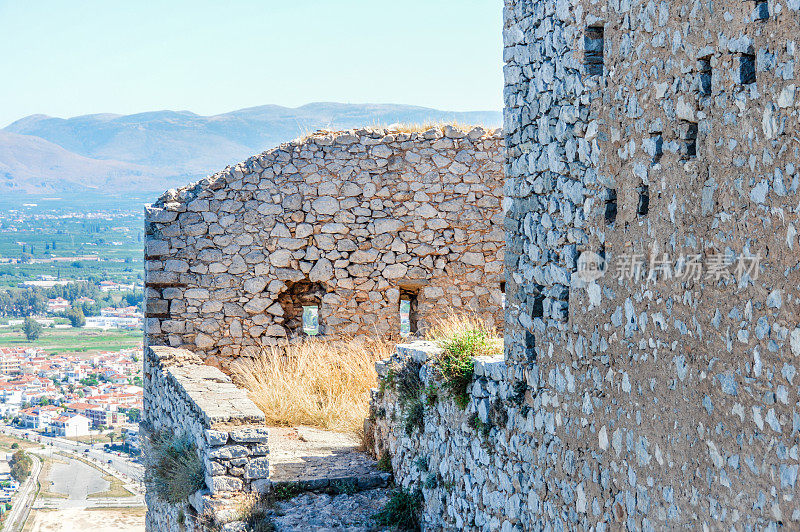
[74, 341]
[71, 237]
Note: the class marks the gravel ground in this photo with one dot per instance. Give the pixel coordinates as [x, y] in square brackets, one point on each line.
[320, 512]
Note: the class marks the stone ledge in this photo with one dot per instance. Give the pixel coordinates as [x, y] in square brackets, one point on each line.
[491, 367]
[218, 401]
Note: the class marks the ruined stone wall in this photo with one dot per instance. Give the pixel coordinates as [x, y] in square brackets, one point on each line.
[189, 399]
[351, 222]
[662, 137]
[657, 139]
[469, 465]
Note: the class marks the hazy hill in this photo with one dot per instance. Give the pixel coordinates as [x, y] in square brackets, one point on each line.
[159, 149]
[33, 165]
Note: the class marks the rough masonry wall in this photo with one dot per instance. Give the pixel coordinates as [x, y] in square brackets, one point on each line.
[471, 466]
[188, 398]
[663, 394]
[668, 400]
[350, 221]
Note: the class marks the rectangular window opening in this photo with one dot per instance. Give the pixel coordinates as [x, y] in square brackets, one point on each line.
[593, 44]
[762, 10]
[311, 320]
[503, 291]
[705, 76]
[301, 303]
[747, 69]
[689, 137]
[408, 312]
[611, 206]
[538, 306]
[644, 200]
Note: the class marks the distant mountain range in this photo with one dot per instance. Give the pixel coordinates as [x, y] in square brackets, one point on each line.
[158, 150]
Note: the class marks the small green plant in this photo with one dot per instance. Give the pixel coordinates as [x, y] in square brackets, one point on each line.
[343, 487]
[409, 384]
[430, 482]
[518, 396]
[431, 394]
[421, 463]
[402, 510]
[415, 417]
[461, 340]
[479, 426]
[388, 380]
[288, 490]
[385, 462]
[174, 468]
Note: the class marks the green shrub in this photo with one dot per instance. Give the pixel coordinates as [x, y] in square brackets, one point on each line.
[431, 394]
[415, 417]
[430, 481]
[385, 462]
[409, 384]
[402, 511]
[461, 341]
[21, 465]
[283, 492]
[479, 426]
[173, 467]
[343, 487]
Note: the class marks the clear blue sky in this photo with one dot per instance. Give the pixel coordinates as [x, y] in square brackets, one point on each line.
[70, 57]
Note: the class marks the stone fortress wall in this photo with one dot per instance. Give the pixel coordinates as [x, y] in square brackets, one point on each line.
[662, 137]
[187, 398]
[350, 222]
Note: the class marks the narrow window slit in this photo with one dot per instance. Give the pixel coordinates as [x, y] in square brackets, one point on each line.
[503, 290]
[301, 303]
[689, 136]
[538, 307]
[747, 69]
[705, 76]
[311, 320]
[762, 10]
[593, 44]
[611, 206]
[644, 200]
[408, 312]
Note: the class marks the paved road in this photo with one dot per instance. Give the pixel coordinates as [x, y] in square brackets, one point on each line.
[23, 500]
[129, 469]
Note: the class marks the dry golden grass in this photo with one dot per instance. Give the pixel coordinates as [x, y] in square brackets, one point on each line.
[425, 126]
[411, 127]
[317, 383]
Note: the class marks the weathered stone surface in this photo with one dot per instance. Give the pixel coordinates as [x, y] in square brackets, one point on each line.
[298, 226]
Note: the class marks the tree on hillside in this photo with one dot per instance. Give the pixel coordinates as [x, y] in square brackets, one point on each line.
[76, 317]
[21, 465]
[32, 329]
[133, 415]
